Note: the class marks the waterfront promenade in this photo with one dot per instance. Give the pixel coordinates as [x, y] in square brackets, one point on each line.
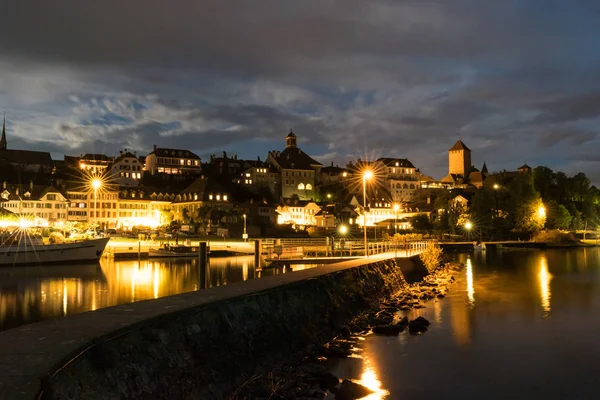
[32, 353]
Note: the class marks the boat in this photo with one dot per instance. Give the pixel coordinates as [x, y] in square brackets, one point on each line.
[178, 250]
[35, 253]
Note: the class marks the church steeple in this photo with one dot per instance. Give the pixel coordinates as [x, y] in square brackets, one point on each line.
[290, 140]
[3, 142]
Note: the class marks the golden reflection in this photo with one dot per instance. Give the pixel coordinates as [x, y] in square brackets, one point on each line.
[470, 287]
[544, 276]
[370, 380]
[65, 298]
[245, 271]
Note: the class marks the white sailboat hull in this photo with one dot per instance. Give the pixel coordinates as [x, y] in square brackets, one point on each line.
[27, 254]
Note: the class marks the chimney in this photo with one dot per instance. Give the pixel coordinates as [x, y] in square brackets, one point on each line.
[154, 147]
[17, 191]
[428, 199]
[30, 185]
[4, 185]
[332, 163]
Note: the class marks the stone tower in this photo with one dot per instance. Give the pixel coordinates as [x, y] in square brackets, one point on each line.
[290, 140]
[459, 160]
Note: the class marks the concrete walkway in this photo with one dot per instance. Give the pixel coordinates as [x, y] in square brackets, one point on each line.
[30, 352]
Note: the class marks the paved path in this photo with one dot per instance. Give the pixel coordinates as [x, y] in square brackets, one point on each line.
[30, 352]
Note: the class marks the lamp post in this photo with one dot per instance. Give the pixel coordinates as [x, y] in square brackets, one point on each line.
[96, 184]
[366, 175]
[245, 235]
[468, 227]
[343, 229]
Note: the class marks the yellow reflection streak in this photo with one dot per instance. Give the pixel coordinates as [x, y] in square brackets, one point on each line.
[156, 283]
[470, 287]
[370, 380]
[64, 297]
[245, 271]
[545, 277]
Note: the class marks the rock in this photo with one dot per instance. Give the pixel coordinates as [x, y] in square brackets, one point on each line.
[403, 321]
[345, 331]
[418, 325]
[350, 391]
[418, 306]
[441, 296]
[392, 329]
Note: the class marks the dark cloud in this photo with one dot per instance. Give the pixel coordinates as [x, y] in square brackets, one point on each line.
[399, 78]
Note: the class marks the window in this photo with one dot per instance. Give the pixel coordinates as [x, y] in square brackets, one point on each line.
[224, 197]
[309, 187]
[301, 186]
[210, 196]
[218, 197]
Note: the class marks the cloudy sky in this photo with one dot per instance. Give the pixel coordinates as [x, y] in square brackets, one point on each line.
[518, 80]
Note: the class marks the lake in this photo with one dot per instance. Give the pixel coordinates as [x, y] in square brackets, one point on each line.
[516, 324]
[32, 294]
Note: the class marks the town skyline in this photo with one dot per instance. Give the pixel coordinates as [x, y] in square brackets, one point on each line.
[400, 79]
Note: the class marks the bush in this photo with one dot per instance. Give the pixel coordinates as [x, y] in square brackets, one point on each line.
[432, 257]
[56, 238]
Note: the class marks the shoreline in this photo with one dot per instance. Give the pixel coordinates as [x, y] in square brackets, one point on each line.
[307, 373]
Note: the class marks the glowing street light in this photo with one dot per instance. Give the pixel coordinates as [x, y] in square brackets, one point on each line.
[468, 225]
[496, 186]
[343, 229]
[541, 212]
[367, 174]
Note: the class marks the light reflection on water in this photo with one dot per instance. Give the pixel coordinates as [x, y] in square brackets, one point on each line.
[31, 294]
[492, 337]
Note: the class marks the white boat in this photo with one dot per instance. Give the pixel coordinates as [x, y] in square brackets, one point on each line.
[27, 253]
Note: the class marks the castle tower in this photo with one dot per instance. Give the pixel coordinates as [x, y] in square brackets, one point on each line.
[290, 140]
[459, 160]
[3, 142]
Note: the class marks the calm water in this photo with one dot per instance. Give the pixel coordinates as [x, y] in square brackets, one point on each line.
[32, 294]
[518, 324]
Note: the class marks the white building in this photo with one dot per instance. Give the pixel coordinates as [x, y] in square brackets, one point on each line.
[172, 161]
[127, 169]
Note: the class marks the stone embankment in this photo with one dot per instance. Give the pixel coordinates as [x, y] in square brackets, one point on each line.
[201, 345]
[307, 375]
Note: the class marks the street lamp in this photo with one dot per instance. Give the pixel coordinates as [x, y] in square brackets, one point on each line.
[541, 212]
[96, 184]
[245, 235]
[367, 174]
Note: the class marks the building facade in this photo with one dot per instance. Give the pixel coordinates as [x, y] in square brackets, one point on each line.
[297, 169]
[172, 161]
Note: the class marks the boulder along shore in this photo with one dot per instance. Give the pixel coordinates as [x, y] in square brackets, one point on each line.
[307, 375]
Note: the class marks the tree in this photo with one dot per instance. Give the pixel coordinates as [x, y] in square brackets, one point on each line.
[421, 223]
[558, 216]
[544, 181]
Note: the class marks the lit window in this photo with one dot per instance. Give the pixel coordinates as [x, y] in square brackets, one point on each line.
[182, 162]
[196, 162]
[247, 175]
[309, 187]
[210, 196]
[224, 197]
[195, 197]
[218, 197]
[301, 186]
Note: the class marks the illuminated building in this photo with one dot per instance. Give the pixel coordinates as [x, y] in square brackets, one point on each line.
[126, 169]
[299, 213]
[94, 164]
[172, 161]
[400, 176]
[298, 170]
[203, 192]
[46, 204]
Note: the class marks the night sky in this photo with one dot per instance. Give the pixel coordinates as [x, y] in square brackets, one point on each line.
[519, 81]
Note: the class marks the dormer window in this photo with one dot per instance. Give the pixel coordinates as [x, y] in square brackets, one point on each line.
[195, 197]
[218, 197]
[210, 196]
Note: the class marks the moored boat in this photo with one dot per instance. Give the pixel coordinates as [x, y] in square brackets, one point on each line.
[174, 251]
[31, 253]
